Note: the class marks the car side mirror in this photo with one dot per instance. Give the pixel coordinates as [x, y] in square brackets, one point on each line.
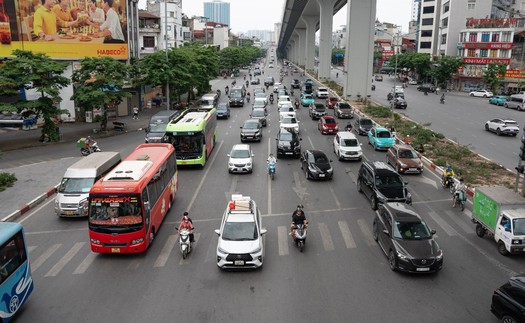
[253, 155]
[406, 183]
[263, 231]
[331, 161]
[300, 138]
[218, 232]
[360, 144]
[240, 127]
[386, 233]
[228, 155]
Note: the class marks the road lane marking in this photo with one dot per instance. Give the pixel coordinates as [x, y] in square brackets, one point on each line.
[328, 244]
[187, 261]
[43, 257]
[84, 265]
[64, 260]
[334, 196]
[349, 172]
[282, 239]
[166, 251]
[363, 226]
[443, 224]
[299, 189]
[30, 249]
[347, 235]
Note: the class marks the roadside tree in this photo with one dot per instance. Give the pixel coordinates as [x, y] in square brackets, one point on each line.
[445, 68]
[494, 75]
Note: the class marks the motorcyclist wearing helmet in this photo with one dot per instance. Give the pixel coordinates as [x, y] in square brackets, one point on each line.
[187, 224]
[298, 217]
[459, 187]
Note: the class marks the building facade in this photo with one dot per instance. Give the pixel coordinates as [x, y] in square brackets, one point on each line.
[170, 14]
[217, 11]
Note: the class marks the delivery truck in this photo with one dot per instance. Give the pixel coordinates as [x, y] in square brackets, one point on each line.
[500, 212]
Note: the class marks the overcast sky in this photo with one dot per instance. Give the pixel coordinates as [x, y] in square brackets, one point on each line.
[262, 14]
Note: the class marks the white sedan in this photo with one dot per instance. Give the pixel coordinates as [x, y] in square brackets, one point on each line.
[503, 127]
[482, 93]
[289, 123]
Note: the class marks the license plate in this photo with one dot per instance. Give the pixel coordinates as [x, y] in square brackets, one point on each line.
[238, 262]
[239, 169]
[387, 145]
[423, 269]
[69, 212]
[115, 250]
[321, 175]
[184, 163]
[288, 153]
[414, 169]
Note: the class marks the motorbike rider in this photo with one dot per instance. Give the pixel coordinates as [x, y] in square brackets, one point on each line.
[298, 217]
[271, 97]
[291, 92]
[248, 95]
[296, 103]
[448, 173]
[426, 92]
[226, 89]
[408, 140]
[186, 223]
[89, 142]
[459, 187]
[442, 99]
[271, 159]
[348, 127]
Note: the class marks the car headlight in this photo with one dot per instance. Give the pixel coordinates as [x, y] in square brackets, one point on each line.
[230, 164]
[95, 241]
[313, 169]
[219, 249]
[516, 241]
[401, 255]
[439, 255]
[403, 165]
[330, 170]
[83, 203]
[381, 198]
[257, 250]
[137, 241]
[249, 164]
[56, 203]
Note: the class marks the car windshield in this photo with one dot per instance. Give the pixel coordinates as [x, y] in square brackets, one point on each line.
[519, 226]
[285, 136]
[344, 106]
[409, 154]
[75, 185]
[365, 122]
[258, 113]
[240, 153]
[289, 120]
[411, 231]
[389, 181]
[383, 134]
[115, 210]
[222, 107]
[250, 125]
[329, 121]
[349, 143]
[236, 94]
[319, 107]
[320, 159]
[258, 104]
[307, 97]
[260, 95]
[157, 127]
[239, 231]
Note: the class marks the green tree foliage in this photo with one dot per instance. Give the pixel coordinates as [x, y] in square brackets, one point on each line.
[445, 68]
[35, 71]
[100, 85]
[234, 57]
[494, 74]
[417, 63]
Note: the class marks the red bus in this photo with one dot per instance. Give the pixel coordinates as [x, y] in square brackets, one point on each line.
[128, 205]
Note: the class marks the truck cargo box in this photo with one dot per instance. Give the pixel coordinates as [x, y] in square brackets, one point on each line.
[490, 201]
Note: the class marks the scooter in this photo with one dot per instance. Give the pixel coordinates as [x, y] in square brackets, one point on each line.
[185, 243]
[299, 236]
[271, 99]
[442, 101]
[461, 199]
[271, 169]
[448, 182]
[89, 149]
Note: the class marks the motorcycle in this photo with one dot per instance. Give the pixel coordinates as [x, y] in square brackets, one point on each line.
[185, 243]
[271, 99]
[448, 182]
[442, 100]
[299, 236]
[271, 169]
[461, 198]
[296, 104]
[89, 149]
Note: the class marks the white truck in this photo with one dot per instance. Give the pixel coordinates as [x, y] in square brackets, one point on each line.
[501, 213]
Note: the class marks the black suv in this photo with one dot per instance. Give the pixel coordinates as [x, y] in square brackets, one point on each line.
[288, 143]
[363, 125]
[380, 183]
[317, 110]
[295, 84]
[269, 81]
[508, 301]
[251, 130]
[426, 87]
[236, 97]
[343, 110]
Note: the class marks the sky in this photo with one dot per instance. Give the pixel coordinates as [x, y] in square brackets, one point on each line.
[248, 15]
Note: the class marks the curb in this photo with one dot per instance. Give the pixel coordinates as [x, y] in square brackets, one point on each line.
[31, 205]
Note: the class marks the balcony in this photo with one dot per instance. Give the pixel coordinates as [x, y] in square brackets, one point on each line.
[154, 28]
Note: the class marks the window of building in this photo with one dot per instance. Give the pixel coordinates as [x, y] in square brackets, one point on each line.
[171, 14]
[148, 42]
[471, 6]
[522, 6]
[473, 37]
[483, 53]
[506, 36]
[471, 53]
[427, 21]
[446, 7]
[426, 33]
[485, 37]
[425, 44]
[444, 22]
[495, 37]
[443, 39]
[504, 53]
[461, 52]
[429, 9]
[463, 37]
[493, 53]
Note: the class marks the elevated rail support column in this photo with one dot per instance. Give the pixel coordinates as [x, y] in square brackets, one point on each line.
[301, 32]
[311, 25]
[294, 41]
[326, 8]
[359, 53]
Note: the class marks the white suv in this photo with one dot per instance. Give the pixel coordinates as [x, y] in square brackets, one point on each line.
[322, 92]
[241, 159]
[241, 241]
[346, 146]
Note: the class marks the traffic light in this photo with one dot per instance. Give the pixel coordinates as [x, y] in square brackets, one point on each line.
[520, 169]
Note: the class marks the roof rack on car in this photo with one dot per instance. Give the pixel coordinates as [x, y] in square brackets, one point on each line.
[240, 204]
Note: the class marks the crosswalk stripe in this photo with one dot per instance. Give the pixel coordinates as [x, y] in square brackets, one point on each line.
[363, 226]
[166, 251]
[347, 235]
[31, 248]
[328, 244]
[282, 238]
[65, 259]
[443, 224]
[456, 217]
[84, 265]
[43, 257]
[187, 261]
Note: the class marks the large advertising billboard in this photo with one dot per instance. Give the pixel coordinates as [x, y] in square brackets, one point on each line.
[69, 29]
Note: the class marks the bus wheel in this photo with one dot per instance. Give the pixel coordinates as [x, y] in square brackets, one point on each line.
[151, 236]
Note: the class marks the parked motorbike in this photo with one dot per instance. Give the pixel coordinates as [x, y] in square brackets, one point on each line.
[299, 236]
[89, 149]
[185, 243]
[271, 169]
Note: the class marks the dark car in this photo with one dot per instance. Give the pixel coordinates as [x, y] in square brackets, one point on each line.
[316, 110]
[378, 78]
[260, 114]
[251, 130]
[223, 110]
[426, 87]
[406, 239]
[236, 99]
[268, 81]
[288, 143]
[295, 84]
[255, 81]
[380, 183]
[508, 301]
[404, 159]
[316, 165]
[398, 103]
[343, 110]
[331, 102]
[363, 125]
[307, 88]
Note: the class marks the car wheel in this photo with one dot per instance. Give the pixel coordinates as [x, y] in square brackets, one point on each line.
[392, 260]
[506, 106]
[306, 173]
[373, 202]
[359, 188]
[374, 230]
[502, 249]
[498, 132]
[487, 127]
[471, 94]
[484, 96]
[508, 319]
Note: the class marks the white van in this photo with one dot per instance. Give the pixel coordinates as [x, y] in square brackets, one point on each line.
[209, 101]
[73, 191]
[516, 101]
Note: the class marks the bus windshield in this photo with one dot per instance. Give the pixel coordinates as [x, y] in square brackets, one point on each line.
[76, 185]
[186, 144]
[115, 210]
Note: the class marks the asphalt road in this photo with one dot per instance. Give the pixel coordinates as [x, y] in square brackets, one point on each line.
[341, 276]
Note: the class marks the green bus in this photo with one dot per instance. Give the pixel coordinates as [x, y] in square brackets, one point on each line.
[193, 134]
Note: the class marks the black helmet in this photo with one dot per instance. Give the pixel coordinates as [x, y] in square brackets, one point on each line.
[185, 214]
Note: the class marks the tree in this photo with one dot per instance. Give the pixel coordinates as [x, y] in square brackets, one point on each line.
[494, 74]
[100, 83]
[35, 71]
[418, 63]
[445, 68]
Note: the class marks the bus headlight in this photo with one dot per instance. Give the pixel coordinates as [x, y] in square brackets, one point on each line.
[137, 241]
[95, 241]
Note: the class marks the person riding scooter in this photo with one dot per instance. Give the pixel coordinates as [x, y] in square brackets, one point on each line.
[447, 179]
[186, 224]
[442, 99]
[271, 98]
[298, 217]
[226, 89]
[297, 103]
[460, 187]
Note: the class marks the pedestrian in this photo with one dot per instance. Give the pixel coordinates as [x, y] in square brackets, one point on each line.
[135, 113]
[337, 75]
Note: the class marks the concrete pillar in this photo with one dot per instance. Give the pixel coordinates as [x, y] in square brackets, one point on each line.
[293, 42]
[311, 22]
[359, 52]
[326, 8]
[301, 32]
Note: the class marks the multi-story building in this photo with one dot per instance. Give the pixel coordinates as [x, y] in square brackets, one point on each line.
[339, 38]
[149, 33]
[217, 11]
[170, 14]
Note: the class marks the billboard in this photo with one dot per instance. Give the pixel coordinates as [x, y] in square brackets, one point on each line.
[71, 29]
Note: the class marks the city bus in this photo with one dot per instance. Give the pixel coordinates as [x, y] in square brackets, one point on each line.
[193, 134]
[16, 283]
[128, 205]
